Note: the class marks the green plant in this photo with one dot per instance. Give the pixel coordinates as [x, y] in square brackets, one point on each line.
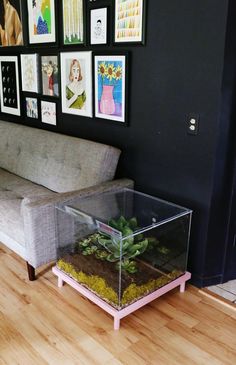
[130, 247]
[118, 250]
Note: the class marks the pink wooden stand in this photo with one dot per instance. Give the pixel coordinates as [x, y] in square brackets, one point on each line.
[119, 314]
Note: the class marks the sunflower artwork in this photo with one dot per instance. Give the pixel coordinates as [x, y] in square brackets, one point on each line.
[110, 87]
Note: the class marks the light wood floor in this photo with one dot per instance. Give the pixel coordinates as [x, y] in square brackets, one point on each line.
[41, 324]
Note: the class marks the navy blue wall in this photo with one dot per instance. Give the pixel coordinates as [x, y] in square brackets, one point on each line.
[179, 71]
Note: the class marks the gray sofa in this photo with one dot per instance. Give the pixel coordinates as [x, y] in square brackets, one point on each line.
[39, 169]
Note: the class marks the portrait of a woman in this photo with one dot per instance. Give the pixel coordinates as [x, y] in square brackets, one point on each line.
[75, 92]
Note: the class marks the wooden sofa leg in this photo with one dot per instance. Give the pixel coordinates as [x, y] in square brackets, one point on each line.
[31, 272]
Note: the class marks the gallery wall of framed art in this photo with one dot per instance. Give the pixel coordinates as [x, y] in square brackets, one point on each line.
[67, 57]
[157, 153]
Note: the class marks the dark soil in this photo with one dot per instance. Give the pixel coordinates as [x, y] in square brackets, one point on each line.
[90, 265]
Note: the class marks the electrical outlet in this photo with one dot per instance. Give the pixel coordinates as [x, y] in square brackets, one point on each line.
[193, 124]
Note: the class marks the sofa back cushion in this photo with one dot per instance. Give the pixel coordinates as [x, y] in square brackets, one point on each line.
[59, 162]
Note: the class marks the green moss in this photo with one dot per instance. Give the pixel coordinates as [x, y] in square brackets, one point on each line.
[94, 282]
[99, 285]
[133, 291]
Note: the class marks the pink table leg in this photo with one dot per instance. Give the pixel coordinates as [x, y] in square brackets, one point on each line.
[119, 314]
[116, 323]
[182, 287]
[60, 282]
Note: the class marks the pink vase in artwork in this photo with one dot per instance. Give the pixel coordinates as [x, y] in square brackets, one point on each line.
[107, 103]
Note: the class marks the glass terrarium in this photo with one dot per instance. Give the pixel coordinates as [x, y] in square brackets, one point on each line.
[122, 246]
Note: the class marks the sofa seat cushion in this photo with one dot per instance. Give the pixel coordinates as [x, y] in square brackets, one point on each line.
[13, 189]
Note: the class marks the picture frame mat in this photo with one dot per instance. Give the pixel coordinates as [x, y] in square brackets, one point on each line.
[107, 14]
[52, 104]
[41, 38]
[131, 40]
[5, 109]
[87, 57]
[106, 58]
[35, 57]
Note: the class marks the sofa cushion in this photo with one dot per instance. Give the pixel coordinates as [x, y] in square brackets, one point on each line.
[59, 162]
[13, 189]
[12, 186]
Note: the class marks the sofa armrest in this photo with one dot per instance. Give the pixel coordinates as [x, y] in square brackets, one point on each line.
[39, 216]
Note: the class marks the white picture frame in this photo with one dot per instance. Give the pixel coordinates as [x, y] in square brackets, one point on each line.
[76, 83]
[29, 72]
[42, 21]
[9, 85]
[98, 26]
[48, 112]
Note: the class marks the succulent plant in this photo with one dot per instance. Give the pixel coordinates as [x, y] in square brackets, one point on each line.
[125, 249]
[115, 249]
[127, 265]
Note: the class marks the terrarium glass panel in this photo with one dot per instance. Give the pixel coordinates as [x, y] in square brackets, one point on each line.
[122, 245]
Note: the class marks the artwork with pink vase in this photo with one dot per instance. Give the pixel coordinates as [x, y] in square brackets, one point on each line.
[110, 74]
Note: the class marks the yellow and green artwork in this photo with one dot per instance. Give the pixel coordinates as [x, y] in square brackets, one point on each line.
[129, 20]
[41, 14]
[73, 21]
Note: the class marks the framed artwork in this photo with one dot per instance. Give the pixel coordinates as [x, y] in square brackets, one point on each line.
[11, 31]
[98, 26]
[73, 21]
[29, 72]
[129, 21]
[9, 85]
[41, 21]
[110, 74]
[31, 107]
[50, 70]
[76, 83]
[48, 112]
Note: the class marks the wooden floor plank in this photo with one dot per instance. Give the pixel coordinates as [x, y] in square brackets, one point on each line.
[215, 348]
[41, 324]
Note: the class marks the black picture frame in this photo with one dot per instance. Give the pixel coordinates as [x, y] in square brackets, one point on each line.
[84, 26]
[47, 119]
[10, 96]
[34, 63]
[120, 114]
[31, 114]
[92, 40]
[52, 89]
[43, 39]
[132, 37]
[19, 19]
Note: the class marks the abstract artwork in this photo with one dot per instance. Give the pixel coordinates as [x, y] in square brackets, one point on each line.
[48, 112]
[41, 21]
[110, 80]
[49, 69]
[129, 21]
[11, 33]
[98, 26]
[9, 85]
[76, 83]
[29, 72]
[31, 105]
[73, 21]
